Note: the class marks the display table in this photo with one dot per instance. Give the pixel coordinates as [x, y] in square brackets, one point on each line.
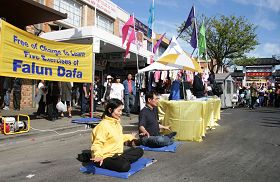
[190, 119]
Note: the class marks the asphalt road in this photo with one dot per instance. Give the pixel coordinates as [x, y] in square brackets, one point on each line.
[246, 147]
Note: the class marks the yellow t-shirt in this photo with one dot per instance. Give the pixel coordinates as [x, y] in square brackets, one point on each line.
[108, 139]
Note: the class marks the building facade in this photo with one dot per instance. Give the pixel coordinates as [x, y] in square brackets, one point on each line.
[97, 22]
[262, 71]
[100, 22]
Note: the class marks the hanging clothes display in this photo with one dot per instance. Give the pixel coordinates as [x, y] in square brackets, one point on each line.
[157, 76]
[175, 90]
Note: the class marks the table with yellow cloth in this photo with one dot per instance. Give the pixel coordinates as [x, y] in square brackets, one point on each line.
[190, 119]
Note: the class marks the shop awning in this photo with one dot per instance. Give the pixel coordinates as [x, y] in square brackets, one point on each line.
[28, 12]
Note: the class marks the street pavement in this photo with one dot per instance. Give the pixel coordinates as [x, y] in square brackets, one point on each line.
[245, 147]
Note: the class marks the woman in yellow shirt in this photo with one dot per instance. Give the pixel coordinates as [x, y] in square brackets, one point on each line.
[108, 141]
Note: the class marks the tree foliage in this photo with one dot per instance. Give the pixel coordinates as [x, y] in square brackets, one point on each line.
[245, 61]
[226, 38]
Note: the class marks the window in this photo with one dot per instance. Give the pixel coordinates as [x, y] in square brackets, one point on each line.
[73, 10]
[228, 86]
[105, 23]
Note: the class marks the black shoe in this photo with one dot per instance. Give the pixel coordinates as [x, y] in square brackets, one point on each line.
[172, 134]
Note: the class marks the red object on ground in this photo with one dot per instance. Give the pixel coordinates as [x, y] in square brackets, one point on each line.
[7, 128]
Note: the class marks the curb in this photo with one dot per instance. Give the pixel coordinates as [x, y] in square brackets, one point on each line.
[35, 132]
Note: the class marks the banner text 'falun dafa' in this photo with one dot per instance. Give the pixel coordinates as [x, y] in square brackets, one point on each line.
[27, 56]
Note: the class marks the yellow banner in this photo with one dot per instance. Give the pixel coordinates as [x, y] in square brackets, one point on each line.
[25, 55]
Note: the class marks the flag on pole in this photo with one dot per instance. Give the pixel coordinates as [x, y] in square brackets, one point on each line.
[125, 28]
[202, 40]
[151, 19]
[189, 21]
[157, 44]
[130, 39]
[193, 41]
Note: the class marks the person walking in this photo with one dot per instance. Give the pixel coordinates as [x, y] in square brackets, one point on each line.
[129, 94]
[66, 90]
[7, 85]
[85, 93]
[53, 94]
[107, 85]
[254, 95]
[40, 98]
[17, 93]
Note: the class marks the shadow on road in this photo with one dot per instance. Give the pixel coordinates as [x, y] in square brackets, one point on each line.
[276, 120]
[271, 126]
[271, 123]
[266, 111]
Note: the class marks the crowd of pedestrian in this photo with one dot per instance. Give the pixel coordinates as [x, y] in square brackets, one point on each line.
[14, 86]
[259, 96]
[49, 93]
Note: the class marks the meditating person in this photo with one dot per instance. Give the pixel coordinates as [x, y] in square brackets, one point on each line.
[107, 148]
[149, 127]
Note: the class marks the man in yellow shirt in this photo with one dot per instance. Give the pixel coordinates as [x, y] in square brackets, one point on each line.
[108, 141]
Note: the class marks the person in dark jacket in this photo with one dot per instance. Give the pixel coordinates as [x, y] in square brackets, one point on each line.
[53, 94]
[66, 91]
[198, 87]
[17, 93]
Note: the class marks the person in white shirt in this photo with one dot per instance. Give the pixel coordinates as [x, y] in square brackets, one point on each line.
[117, 89]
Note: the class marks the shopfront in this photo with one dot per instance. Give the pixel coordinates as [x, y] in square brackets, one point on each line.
[262, 75]
[22, 13]
[108, 49]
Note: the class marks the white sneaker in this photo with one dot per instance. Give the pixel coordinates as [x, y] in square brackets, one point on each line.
[6, 108]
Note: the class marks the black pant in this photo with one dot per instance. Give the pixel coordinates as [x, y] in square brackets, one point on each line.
[16, 99]
[51, 108]
[42, 106]
[253, 102]
[121, 163]
[84, 103]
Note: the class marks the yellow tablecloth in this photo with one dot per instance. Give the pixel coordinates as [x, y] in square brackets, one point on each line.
[190, 119]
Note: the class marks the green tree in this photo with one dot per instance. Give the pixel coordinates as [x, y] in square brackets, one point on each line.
[227, 38]
[244, 61]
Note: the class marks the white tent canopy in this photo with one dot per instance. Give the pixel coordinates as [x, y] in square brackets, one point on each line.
[157, 66]
[173, 58]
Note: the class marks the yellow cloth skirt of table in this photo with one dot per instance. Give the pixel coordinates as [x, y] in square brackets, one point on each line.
[190, 119]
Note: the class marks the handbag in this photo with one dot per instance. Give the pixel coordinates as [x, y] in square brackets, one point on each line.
[61, 107]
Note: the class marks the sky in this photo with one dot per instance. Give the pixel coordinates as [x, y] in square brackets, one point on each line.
[169, 14]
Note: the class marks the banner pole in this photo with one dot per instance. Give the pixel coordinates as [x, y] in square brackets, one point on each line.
[92, 84]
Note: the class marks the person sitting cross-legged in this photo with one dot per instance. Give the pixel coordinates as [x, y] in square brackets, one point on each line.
[108, 141]
[149, 127]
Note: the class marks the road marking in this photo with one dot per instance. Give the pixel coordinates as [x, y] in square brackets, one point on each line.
[30, 176]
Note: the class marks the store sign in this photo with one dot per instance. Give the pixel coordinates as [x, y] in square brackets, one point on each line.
[105, 6]
[142, 27]
[259, 70]
[25, 55]
[258, 74]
